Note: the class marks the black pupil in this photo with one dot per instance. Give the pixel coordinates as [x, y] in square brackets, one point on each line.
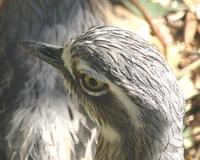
[93, 82]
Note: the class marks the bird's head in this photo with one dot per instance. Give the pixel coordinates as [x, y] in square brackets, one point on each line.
[120, 79]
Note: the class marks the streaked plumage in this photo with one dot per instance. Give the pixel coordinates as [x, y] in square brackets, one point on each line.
[37, 116]
[126, 88]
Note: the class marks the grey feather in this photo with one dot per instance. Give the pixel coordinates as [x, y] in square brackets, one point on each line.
[36, 114]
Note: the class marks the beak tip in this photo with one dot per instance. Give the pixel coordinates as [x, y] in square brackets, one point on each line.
[25, 44]
[46, 52]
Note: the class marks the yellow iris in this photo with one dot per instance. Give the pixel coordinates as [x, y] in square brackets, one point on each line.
[93, 84]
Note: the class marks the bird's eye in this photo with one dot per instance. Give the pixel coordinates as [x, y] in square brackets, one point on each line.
[93, 86]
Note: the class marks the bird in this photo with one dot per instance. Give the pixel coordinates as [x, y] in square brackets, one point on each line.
[37, 116]
[126, 88]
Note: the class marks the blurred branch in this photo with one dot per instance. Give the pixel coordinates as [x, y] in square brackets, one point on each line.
[148, 18]
[189, 68]
[197, 157]
[190, 27]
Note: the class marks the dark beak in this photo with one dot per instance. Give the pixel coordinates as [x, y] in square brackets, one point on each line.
[46, 52]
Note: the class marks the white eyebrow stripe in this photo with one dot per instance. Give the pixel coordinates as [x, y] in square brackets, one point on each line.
[83, 67]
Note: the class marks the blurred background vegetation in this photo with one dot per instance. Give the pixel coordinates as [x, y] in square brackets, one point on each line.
[174, 27]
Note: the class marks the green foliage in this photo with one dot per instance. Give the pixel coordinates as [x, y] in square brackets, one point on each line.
[154, 9]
